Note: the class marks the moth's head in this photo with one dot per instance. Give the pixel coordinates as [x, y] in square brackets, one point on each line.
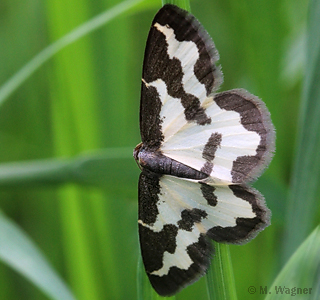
[136, 154]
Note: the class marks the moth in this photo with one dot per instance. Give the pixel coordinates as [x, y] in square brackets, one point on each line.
[199, 151]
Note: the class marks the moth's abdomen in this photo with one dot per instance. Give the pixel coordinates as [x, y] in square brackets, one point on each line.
[156, 162]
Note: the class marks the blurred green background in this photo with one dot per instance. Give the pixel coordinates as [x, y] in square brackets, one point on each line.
[86, 98]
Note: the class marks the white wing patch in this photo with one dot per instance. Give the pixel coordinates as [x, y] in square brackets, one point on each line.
[188, 53]
[236, 141]
[178, 194]
[169, 105]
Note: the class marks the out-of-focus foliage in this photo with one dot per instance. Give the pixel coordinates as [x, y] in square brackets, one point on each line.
[83, 214]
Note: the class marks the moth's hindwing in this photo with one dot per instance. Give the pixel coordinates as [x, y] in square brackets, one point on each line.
[177, 217]
[233, 148]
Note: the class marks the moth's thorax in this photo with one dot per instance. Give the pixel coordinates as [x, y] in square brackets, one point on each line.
[157, 162]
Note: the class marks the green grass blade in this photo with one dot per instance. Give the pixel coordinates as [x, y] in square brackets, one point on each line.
[88, 94]
[301, 271]
[303, 199]
[19, 252]
[32, 173]
[25, 72]
[220, 278]
[89, 168]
